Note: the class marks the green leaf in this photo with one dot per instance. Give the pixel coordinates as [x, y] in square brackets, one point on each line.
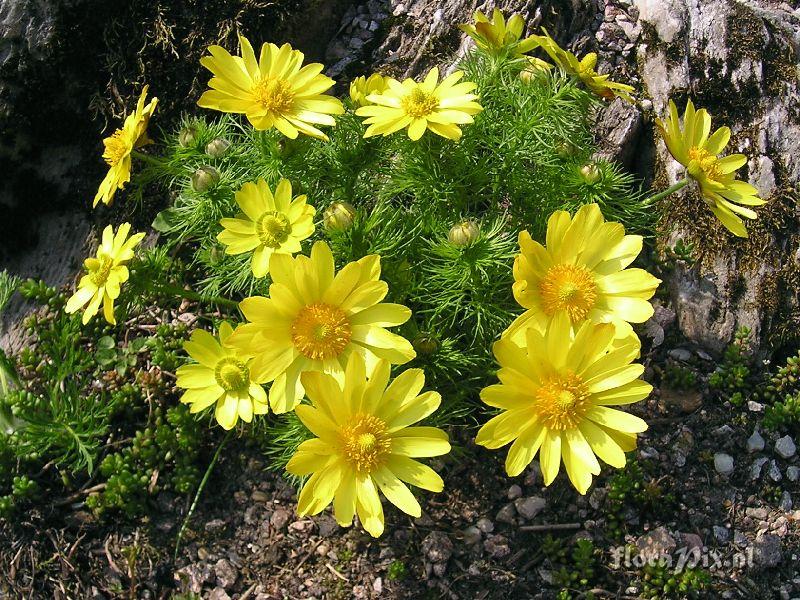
[166, 220]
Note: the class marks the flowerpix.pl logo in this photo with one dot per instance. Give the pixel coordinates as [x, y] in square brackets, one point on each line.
[681, 559]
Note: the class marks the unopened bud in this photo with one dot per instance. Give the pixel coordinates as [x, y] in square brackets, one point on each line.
[204, 178]
[339, 216]
[188, 136]
[425, 343]
[464, 233]
[217, 147]
[591, 173]
[566, 149]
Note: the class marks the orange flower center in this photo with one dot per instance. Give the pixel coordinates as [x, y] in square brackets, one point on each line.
[562, 401]
[116, 148]
[364, 442]
[274, 94]
[568, 287]
[321, 331]
[273, 229]
[419, 103]
[100, 274]
[232, 374]
[701, 161]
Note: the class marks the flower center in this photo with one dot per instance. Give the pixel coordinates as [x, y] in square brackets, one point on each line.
[232, 374]
[273, 229]
[274, 94]
[419, 103]
[116, 148]
[99, 276]
[568, 287]
[321, 331]
[364, 442]
[704, 162]
[562, 401]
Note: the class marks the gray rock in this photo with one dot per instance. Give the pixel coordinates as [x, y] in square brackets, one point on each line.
[514, 492]
[226, 573]
[485, 525]
[786, 501]
[792, 473]
[497, 546]
[472, 535]
[721, 534]
[755, 443]
[506, 514]
[529, 507]
[767, 550]
[280, 518]
[754, 406]
[656, 543]
[191, 578]
[755, 468]
[774, 472]
[681, 354]
[723, 463]
[437, 547]
[218, 593]
[785, 447]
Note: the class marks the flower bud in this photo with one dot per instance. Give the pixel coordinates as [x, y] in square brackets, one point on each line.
[339, 216]
[566, 149]
[425, 343]
[217, 147]
[590, 173]
[464, 233]
[204, 178]
[188, 136]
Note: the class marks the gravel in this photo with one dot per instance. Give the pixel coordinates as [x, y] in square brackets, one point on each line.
[785, 447]
[723, 463]
[755, 443]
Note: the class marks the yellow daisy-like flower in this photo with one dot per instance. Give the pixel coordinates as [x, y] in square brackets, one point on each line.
[533, 68]
[361, 87]
[556, 390]
[275, 90]
[315, 319]
[495, 35]
[440, 107]
[693, 147]
[120, 144]
[584, 69]
[105, 274]
[221, 375]
[269, 224]
[582, 271]
[365, 443]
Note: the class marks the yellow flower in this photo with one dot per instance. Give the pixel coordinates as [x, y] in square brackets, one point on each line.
[534, 67]
[221, 375]
[361, 87]
[315, 319]
[440, 107]
[120, 144]
[495, 35]
[695, 149]
[584, 70]
[364, 443]
[555, 392]
[269, 224]
[582, 271]
[105, 273]
[273, 91]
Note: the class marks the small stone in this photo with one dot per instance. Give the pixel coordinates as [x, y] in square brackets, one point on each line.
[681, 354]
[497, 546]
[648, 452]
[723, 431]
[786, 501]
[472, 535]
[400, 9]
[514, 492]
[723, 463]
[767, 550]
[656, 543]
[437, 547]
[755, 443]
[755, 468]
[377, 586]
[485, 525]
[722, 534]
[692, 541]
[793, 473]
[218, 593]
[192, 577]
[760, 513]
[785, 447]
[226, 573]
[597, 497]
[754, 406]
[259, 496]
[529, 507]
[740, 539]
[215, 526]
[506, 514]
[280, 518]
[774, 472]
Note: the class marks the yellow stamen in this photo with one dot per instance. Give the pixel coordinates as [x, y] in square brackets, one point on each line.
[232, 374]
[364, 442]
[562, 401]
[116, 148]
[275, 95]
[705, 161]
[419, 103]
[99, 276]
[273, 229]
[321, 331]
[568, 287]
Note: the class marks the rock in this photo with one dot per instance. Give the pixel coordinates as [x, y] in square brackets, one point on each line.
[767, 550]
[506, 514]
[472, 535]
[686, 401]
[785, 447]
[514, 492]
[754, 406]
[485, 525]
[755, 468]
[740, 539]
[215, 526]
[529, 507]
[497, 546]
[280, 518]
[723, 463]
[692, 541]
[656, 543]
[191, 578]
[721, 534]
[680, 354]
[759, 513]
[774, 472]
[786, 501]
[259, 496]
[437, 547]
[792, 473]
[226, 573]
[755, 443]
[218, 594]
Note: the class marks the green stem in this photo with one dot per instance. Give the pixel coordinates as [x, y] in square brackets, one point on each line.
[200, 491]
[149, 159]
[174, 290]
[670, 190]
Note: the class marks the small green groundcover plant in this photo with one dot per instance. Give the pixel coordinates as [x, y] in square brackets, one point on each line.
[355, 279]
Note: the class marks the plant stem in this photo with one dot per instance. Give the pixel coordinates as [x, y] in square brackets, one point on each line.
[670, 190]
[200, 491]
[175, 290]
[148, 159]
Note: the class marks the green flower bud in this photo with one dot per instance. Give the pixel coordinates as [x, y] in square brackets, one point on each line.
[204, 178]
[425, 343]
[339, 216]
[464, 233]
[187, 136]
[591, 173]
[566, 149]
[217, 147]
